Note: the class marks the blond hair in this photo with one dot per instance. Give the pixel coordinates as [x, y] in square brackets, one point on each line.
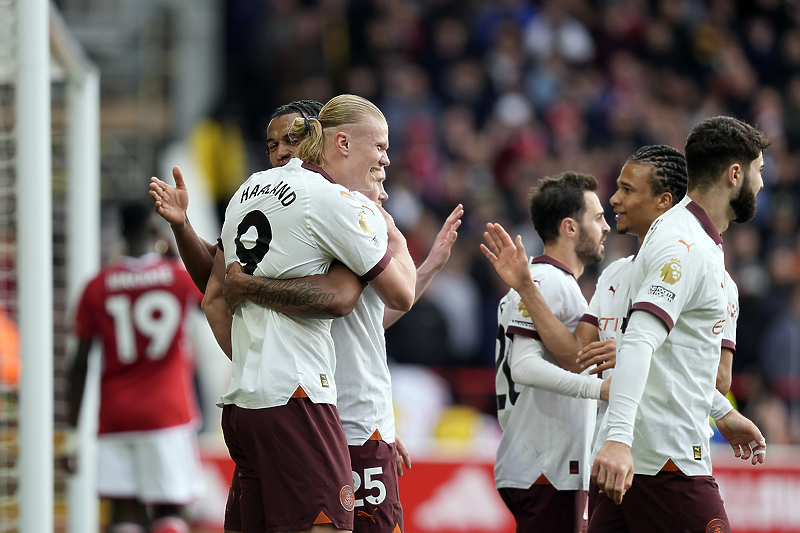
[339, 111]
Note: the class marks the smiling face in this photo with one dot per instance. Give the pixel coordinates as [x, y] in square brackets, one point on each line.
[634, 203]
[280, 147]
[366, 143]
[592, 232]
[377, 194]
[744, 203]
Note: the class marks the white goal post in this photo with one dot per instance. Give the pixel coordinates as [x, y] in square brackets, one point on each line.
[46, 51]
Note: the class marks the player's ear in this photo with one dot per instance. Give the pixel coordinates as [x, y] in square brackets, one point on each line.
[664, 201]
[733, 175]
[569, 227]
[342, 142]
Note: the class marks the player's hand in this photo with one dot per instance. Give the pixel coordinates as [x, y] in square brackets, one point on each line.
[402, 457]
[231, 287]
[744, 437]
[507, 257]
[605, 389]
[600, 353]
[390, 225]
[612, 470]
[440, 251]
[170, 202]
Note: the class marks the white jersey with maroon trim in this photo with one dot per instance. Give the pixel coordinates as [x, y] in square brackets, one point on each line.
[362, 373]
[679, 277]
[290, 222]
[543, 432]
[729, 334]
[139, 308]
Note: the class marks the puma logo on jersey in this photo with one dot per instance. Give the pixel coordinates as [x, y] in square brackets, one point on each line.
[688, 246]
[613, 290]
[347, 193]
[362, 514]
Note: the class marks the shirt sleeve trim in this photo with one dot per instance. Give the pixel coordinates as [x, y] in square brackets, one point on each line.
[655, 310]
[380, 267]
[219, 244]
[589, 319]
[531, 334]
[729, 344]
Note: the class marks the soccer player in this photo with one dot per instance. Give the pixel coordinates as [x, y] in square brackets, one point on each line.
[362, 378]
[548, 413]
[147, 447]
[652, 452]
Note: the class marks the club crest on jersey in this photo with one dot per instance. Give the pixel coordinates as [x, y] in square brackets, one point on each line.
[363, 223]
[523, 310]
[347, 498]
[671, 271]
[717, 525]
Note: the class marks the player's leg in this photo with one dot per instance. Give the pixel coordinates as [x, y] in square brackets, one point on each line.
[116, 482]
[607, 516]
[673, 501]
[169, 475]
[541, 508]
[377, 494]
[301, 448]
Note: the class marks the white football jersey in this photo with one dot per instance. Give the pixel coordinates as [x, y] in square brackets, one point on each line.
[679, 277]
[362, 374]
[290, 222]
[729, 334]
[543, 432]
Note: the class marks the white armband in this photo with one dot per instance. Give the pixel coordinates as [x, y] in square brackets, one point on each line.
[529, 368]
[720, 406]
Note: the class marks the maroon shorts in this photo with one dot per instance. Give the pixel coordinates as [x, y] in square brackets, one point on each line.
[667, 502]
[293, 467]
[378, 507]
[542, 508]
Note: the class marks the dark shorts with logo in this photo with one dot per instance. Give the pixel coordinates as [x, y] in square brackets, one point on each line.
[666, 503]
[542, 508]
[378, 508]
[292, 468]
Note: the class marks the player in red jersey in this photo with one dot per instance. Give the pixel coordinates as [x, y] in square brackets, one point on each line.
[149, 464]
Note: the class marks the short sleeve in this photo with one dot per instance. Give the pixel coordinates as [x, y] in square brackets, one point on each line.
[351, 228]
[520, 322]
[732, 314]
[670, 275]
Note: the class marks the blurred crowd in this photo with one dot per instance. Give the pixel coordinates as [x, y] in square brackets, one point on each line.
[485, 97]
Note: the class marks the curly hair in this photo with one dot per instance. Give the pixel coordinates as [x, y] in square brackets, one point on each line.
[667, 169]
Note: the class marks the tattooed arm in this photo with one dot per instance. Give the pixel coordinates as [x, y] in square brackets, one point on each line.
[330, 295]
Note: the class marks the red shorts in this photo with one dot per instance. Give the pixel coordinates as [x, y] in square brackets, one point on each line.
[666, 502]
[378, 507]
[543, 508]
[293, 467]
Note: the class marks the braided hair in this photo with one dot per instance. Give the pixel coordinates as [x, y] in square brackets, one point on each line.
[306, 108]
[667, 169]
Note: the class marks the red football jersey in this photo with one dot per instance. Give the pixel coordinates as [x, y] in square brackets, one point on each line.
[139, 309]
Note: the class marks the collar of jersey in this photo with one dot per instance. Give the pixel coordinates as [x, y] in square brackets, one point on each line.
[702, 217]
[551, 261]
[318, 170]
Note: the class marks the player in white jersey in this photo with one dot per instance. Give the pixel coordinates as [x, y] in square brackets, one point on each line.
[665, 373]
[547, 413]
[363, 381]
[279, 419]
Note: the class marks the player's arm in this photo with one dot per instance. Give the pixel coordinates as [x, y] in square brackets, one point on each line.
[171, 203]
[742, 434]
[395, 284]
[330, 295]
[600, 355]
[438, 256]
[725, 370]
[528, 367]
[511, 263]
[77, 379]
[612, 470]
[216, 310]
